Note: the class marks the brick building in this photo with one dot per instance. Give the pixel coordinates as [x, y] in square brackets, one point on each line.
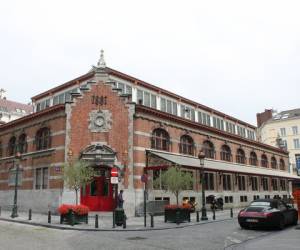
[108, 118]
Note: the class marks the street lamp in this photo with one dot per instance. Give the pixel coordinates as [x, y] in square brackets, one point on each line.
[201, 157]
[15, 207]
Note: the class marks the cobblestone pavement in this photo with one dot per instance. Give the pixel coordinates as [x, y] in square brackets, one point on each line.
[212, 236]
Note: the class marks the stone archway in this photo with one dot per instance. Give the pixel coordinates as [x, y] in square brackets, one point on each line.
[99, 195]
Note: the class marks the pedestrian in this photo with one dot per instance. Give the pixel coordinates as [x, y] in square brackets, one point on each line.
[120, 199]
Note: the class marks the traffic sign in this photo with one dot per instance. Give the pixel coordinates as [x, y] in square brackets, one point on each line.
[114, 180]
[114, 172]
[144, 178]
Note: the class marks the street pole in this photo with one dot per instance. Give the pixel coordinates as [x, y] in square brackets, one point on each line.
[145, 219]
[15, 206]
[201, 157]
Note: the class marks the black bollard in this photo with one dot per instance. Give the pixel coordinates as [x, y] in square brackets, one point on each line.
[152, 220]
[231, 212]
[197, 216]
[124, 221]
[29, 214]
[214, 213]
[177, 217]
[49, 217]
[114, 219]
[96, 221]
[72, 218]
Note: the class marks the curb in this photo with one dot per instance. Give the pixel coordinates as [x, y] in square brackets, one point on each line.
[108, 230]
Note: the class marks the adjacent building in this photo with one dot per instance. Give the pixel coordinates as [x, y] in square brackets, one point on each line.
[110, 119]
[282, 129]
[11, 110]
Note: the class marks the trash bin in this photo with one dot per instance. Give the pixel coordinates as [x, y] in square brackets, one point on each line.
[119, 216]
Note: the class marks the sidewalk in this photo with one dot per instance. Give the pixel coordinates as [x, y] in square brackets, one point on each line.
[106, 222]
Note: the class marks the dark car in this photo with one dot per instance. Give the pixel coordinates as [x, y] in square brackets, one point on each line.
[273, 213]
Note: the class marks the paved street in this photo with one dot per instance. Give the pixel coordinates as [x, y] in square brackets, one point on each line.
[213, 236]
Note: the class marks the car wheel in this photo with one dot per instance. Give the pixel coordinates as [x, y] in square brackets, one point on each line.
[243, 226]
[281, 223]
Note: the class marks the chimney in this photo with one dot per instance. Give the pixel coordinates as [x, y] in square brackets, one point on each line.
[263, 117]
[2, 94]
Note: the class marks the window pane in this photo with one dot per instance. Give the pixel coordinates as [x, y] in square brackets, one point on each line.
[169, 106]
[55, 100]
[147, 99]
[153, 101]
[45, 178]
[163, 104]
[128, 89]
[192, 114]
[38, 175]
[61, 98]
[140, 96]
[200, 117]
[122, 87]
[175, 112]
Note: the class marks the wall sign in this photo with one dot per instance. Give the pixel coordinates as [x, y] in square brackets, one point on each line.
[99, 100]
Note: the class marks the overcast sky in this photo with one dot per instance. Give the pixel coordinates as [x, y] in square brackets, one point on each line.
[238, 57]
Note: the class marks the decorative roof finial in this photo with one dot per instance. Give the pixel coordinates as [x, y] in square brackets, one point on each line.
[101, 63]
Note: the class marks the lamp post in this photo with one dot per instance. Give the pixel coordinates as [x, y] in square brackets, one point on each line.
[201, 157]
[15, 206]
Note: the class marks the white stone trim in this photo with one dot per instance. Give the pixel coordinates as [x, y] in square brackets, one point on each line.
[139, 164]
[139, 149]
[142, 133]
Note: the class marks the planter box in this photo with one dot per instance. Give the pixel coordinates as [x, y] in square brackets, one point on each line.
[72, 219]
[177, 215]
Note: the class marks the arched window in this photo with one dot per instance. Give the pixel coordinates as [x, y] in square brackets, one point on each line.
[23, 143]
[253, 159]
[186, 145]
[209, 149]
[225, 153]
[273, 162]
[43, 139]
[281, 164]
[264, 161]
[240, 156]
[160, 139]
[12, 146]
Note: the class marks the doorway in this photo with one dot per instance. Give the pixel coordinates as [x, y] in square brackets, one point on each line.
[98, 195]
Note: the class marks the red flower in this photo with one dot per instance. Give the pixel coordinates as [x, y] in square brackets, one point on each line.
[77, 209]
[80, 209]
[173, 207]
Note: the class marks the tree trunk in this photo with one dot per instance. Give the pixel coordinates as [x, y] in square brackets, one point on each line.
[177, 194]
[76, 192]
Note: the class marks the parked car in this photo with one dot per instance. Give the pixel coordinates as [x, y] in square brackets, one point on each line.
[273, 213]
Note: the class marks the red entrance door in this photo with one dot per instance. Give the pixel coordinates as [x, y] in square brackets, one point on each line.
[98, 195]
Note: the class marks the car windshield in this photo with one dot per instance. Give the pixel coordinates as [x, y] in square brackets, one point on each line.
[260, 204]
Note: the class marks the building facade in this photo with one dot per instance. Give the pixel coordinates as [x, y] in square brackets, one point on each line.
[282, 129]
[110, 119]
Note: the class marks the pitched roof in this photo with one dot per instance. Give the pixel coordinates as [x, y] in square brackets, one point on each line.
[140, 83]
[12, 106]
[293, 113]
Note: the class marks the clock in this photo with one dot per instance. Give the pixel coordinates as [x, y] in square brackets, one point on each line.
[99, 121]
